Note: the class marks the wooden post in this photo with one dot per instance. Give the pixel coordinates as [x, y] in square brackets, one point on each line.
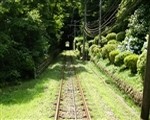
[146, 92]
[100, 18]
[75, 22]
[84, 34]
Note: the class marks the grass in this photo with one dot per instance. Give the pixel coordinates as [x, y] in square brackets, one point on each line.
[105, 101]
[113, 85]
[33, 99]
[134, 80]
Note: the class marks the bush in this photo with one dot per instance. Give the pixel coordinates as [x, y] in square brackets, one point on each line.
[119, 59]
[77, 52]
[131, 62]
[96, 39]
[78, 42]
[27, 65]
[120, 36]
[141, 64]
[103, 41]
[78, 45]
[90, 42]
[86, 49]
[112, 42]
[112, 55]
[138, 27]
[9, 76]
[91, 49]
[96, 52]
[107, 49]
[79, 39]
[111, 36]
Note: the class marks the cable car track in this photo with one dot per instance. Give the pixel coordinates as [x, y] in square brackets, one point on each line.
[71, 101]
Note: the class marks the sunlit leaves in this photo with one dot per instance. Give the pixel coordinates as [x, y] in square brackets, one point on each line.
[3, 9]
[138, 28]
[35, 15]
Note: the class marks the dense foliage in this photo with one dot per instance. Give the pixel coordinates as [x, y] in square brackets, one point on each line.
[112, 55]
[141, 63]
[120, 36]
[131, 62]
[29, 34]
[111, 36]
[138, 27]
[119, 59]
[107, 49]
[32, 30]
[124, 43]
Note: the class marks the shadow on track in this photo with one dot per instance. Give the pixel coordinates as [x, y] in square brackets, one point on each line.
[27, 91]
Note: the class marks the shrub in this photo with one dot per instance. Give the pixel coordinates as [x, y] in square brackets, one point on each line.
[112, 42]
[107, 49]
[112, 55]
[120, 36]
[79, 39]
[96, 39]
[86, 49]
[111, 36]
[78, 42]
[103, 41]
[141, 64]
[78, 46]
[119, 59]
[91, 49]
[96, 52]
[137, 28]
[90, 42]
[131, 62]
[77, 52]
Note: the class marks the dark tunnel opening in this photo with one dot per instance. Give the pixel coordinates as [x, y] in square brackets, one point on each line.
[67, 39]
[70, 30]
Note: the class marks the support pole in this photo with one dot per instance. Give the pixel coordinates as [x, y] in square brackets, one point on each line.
[100, 19]
[75, 22]
[84, 34]
[146, 92]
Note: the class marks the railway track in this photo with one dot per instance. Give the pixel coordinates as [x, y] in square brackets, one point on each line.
[71, 102]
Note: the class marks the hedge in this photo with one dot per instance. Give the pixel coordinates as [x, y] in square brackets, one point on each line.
[112, 55]
[107, 49]
[103, 41]
[119, 59]
[131, 62]
[120, 36]
[141, 64]
[111, 36]
[112, 42]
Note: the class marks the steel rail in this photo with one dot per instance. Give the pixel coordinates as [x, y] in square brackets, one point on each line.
[59, 95]
[58, 101]
[83, 97]
[74, 81]
[84, 100]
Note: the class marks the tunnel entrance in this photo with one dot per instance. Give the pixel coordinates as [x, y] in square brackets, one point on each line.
[67, 37]
[67, 44]
[70, 30]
